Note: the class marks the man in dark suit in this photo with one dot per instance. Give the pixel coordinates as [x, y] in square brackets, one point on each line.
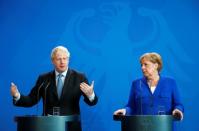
[60, 88]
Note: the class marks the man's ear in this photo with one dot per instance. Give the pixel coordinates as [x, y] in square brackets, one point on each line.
[52, 61]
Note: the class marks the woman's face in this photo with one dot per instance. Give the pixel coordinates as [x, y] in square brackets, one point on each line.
[148, 68]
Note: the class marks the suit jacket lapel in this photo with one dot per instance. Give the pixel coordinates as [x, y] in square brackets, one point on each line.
[53, 84]
[158, 88]
[145, 85]
[66, 81]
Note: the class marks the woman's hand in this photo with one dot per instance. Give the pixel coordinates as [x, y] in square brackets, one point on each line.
[120, 112]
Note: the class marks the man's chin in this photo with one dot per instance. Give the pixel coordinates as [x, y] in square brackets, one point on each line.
[62, 70]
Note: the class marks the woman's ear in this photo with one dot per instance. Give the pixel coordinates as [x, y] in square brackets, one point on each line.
[156, 65]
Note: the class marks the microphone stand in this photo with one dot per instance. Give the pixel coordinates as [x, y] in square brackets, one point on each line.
[44, 104]
[38, 95]
[141, 98]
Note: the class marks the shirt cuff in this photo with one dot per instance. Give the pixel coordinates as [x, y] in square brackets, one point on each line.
[92, 97]
[17, 98]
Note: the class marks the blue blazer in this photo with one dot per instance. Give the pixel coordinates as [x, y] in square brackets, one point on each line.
[165, 98]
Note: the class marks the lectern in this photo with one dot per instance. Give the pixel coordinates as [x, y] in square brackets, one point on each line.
[145, 122]
[46, 123]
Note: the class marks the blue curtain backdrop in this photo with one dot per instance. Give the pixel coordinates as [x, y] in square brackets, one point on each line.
[105, 38]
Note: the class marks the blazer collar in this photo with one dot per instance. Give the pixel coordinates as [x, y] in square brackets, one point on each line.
[158, 87]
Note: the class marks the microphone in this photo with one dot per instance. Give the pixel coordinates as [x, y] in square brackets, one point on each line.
[38, 95]
[141, 98]
[44, 101]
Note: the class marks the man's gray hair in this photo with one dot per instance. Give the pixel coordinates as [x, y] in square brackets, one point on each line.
[59, 48]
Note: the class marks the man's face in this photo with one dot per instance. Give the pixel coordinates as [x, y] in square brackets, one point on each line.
[60, 61]
[148, 68]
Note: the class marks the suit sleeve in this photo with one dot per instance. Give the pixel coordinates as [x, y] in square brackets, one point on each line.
[32, 98]
[176, 101]
[91, 103]
[131, 101]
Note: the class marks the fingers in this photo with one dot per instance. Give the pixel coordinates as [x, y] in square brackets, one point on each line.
[85, 86]
[86, 89]
[120, 112]
[177, 114]
[92, 84]
[116, 112]
[12, 84]
[13, 90]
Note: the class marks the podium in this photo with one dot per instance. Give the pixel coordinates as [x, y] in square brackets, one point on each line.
[145, 122]
[46, 123]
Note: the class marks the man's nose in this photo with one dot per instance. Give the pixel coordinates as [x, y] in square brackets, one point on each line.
[62, 60]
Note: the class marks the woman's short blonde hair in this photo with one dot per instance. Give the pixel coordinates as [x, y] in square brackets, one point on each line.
[154, 58]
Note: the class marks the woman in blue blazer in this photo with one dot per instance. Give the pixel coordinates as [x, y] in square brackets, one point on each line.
[153, 94]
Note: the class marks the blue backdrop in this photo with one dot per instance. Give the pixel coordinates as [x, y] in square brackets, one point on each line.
[105, 38]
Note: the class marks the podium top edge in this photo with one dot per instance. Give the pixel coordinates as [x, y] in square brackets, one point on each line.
[47, 116]
[149, 115]
[123, 117]
[68, 117]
